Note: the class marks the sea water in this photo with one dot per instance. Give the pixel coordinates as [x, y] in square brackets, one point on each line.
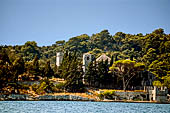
[80, 107]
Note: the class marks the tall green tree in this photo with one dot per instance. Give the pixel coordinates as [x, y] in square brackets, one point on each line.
[91, 75]
[126, 70]
[34, 68]
[17, 69]
[71, 71]
[48, 72]
[103, 72]
[5, 69]
[30, 50]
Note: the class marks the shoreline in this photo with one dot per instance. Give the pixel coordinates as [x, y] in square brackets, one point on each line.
[110, 101]
[67, 97]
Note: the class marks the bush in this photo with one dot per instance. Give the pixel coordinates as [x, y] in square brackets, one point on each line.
[47, 86]
[107, 95]
[60, 86]
[34, 87]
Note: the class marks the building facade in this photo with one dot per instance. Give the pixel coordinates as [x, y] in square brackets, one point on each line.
[59, 58]
[87, 58]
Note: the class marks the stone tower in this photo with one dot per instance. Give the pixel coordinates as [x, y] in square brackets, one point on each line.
[87, 58]
[59, 58]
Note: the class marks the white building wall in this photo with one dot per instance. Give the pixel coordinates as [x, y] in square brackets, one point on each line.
[59, 58]
[87, 58]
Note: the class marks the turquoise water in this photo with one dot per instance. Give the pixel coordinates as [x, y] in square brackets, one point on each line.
[80, 107]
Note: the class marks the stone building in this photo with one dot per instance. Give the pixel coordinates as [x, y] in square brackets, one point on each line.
[87, 58]
[59, 58]
[158, 94]
[103, 58]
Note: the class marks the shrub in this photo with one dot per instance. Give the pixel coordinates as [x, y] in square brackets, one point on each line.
[107, 95]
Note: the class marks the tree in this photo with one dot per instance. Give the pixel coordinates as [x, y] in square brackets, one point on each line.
[71, 71]
[35, 66]
[30, 50]
[60, 43]
[126, 70]
[48, 72]
[78, 43]
[91, 74]
[111, 61]
[102, 41]
[167, 80]
[5, 69]
[64, 67]
[159, 68]
[103, 73]
[17, 69]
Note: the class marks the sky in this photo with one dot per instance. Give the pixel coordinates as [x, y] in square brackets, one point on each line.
[48, 21]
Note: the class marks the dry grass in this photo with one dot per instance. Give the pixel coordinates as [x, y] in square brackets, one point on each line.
[122, 90]
[76, 94]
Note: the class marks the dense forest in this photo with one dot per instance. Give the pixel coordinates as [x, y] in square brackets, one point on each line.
[149, 52]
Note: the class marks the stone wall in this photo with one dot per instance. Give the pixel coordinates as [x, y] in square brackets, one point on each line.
[44, 97]
[120, 95]
[159, 94]
[132, 95]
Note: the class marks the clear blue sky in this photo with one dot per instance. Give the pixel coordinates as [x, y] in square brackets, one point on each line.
[46, 21]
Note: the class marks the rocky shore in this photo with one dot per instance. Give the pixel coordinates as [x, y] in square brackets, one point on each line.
[24, 97]
[44, 97]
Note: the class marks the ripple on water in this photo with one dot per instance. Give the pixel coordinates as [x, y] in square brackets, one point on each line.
[80, 107]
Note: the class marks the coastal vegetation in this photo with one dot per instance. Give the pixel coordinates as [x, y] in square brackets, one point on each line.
[29, 62]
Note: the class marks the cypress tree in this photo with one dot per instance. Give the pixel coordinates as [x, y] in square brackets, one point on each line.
[35, 67]
[48, 72]
[74, 76]
[89, 76]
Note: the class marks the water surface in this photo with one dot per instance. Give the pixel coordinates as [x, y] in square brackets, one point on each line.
[80, 107]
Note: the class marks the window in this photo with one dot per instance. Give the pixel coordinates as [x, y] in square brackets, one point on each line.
[88, 58]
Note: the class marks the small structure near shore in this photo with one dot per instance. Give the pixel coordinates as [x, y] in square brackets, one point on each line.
[156, 94]
[159, 94]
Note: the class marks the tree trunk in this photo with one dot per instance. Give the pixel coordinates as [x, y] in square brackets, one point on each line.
[124, 85]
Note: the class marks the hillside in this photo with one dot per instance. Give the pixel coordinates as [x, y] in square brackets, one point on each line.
[152, 49]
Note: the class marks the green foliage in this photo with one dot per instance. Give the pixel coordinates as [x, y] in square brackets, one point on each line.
[60, 86]
[30, 50]
[91, 75]
[167, 81]
[157, 83]
[126, 70]
[5, 69]
[45, 86]
[71, 71]
[106, 95]
[48, 72]
[60, 43]
[103, 73]
[97, 74]
[152, 49]
[33, 67]
[78, 43]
